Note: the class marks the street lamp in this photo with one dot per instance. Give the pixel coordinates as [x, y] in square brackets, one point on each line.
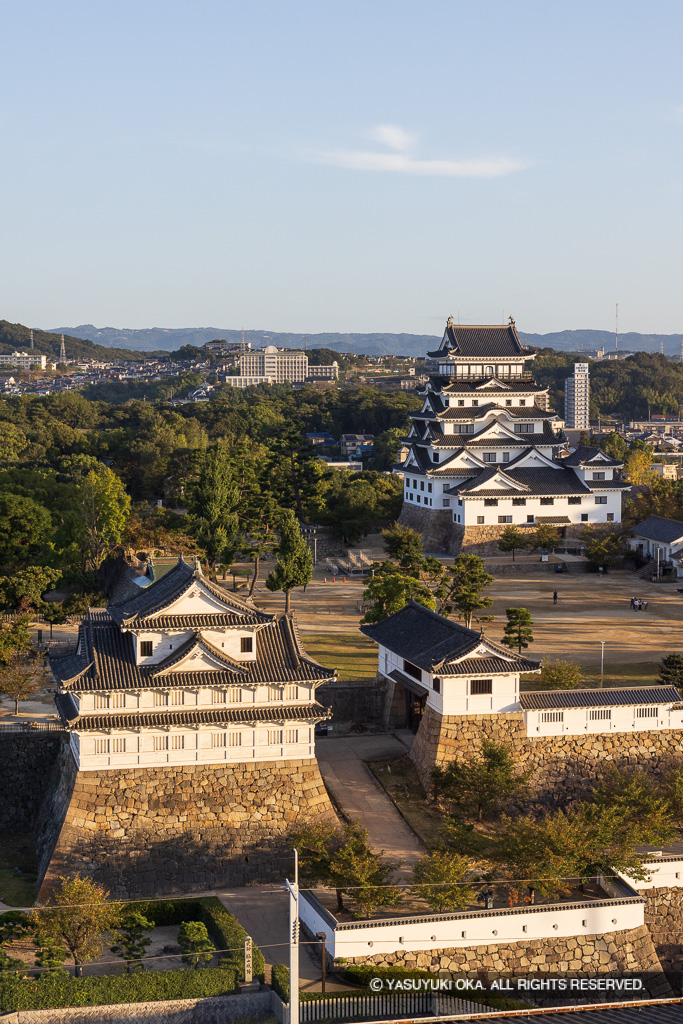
[602, 663]
[323, 938]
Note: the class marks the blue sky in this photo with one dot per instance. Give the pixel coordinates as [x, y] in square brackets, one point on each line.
[357, 166]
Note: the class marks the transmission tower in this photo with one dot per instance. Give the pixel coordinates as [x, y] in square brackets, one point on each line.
[62, 351]
[31, 345]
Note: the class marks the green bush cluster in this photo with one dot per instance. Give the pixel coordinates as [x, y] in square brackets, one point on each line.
[56, 990]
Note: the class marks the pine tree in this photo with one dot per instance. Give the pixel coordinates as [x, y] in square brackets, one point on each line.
[469, 578]
[518, 628]
[193, 939]
[213, 507]
[512, 539]
[133, 939]
[294, 566]
[671, 671]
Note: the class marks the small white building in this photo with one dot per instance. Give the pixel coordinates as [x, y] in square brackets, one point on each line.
[656, 537]
[184, 673]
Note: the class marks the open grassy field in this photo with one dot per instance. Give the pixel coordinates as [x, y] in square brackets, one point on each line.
[641, 673]
[351, 653]
[18, 851]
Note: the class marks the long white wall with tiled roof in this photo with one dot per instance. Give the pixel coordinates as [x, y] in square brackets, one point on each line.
[605, 719]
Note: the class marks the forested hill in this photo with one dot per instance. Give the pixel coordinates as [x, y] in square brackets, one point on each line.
[378, 344]
[15, 337]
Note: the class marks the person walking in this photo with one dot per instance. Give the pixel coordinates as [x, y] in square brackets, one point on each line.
[554, 597]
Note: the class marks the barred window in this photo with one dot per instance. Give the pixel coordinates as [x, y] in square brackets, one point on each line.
[552, 716]
[101, 746]
[235, 739]
[274, 693]
[218, 696]
[101, 701]
[118, 746]
[573, 501]
[247, 644]
[161, 742]
[217, 739]
[177, 742]
[146, 648]
[274, 736]
[412, 670]
[490, 502]
[235, 695]
[479, 686]
[599, 714]
[292, 736]
[291, 693]
[177, 697]
[519, 501]
[547, 501]
[118, 700]
[504, 519]
[646, 712]
[160, 700]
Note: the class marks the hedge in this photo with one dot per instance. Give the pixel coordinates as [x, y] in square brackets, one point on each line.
[58, 990]
[52, 990]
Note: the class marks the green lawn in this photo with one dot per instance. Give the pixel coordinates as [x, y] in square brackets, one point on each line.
[18, 851]
[642, 673]
[351, 653]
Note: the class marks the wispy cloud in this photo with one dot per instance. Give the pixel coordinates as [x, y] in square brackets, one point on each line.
[403, 161]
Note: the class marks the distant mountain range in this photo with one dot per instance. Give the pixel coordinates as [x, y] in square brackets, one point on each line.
[158, 338]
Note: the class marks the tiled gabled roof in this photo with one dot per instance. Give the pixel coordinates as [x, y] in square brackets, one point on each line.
[658, 528]
[107, 661]
[622, 697]
[588, 455]
[432, 642]
[543, 481]
[528, 387]
[470, 340]
[164, 592]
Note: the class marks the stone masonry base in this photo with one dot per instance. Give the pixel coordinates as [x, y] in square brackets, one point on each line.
[627, 952]
[154, 831]
[564, 766]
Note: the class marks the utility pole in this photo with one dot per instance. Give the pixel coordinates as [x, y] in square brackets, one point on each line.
[293, 888]
[616, 330]
[602, 664]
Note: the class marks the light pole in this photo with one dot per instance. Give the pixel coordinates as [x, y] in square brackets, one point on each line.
[293, 888]
[323, 938]
[602, 663]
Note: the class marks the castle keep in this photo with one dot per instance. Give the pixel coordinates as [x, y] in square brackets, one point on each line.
[485, 452]
[191, 718]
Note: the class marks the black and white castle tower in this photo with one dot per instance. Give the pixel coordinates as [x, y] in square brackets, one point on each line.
[485, 452]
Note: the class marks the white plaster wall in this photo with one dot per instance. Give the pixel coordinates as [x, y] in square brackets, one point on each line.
[167, 642]
[96, 750]
[118, 701]
[473, 507]
[664, 872]
[476, 929]
[577, 721]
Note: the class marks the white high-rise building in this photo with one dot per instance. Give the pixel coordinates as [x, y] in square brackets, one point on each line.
[577, 398]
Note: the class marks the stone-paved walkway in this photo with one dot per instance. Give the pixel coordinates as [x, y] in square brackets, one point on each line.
[360, 796]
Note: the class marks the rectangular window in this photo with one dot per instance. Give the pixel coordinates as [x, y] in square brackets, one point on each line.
[101, 701]
[436, 684]
[476, 401]
[573, 501]
[459, 501]
[529, 519]
[461, 402]
[274, 736]
[600, 714]
[547, 501]
[412, 670]
[504, 519]
[552, 716]
[446, 502]
[584, 517]
[292, 736]
[524, 428]
[480, 520]
[598, 476]
[177, 742]
[118, 746]
[519, 501]
[146, 648]
[610, 517]
[161, 742]
[101, 746]
[435, 456]
[118, 700]
[479, 686]
[489, 456]
[646, 712]
[600, 499]
[218, 696]
[508, 401]
[422, 485]
[160, 700]
[491, 502]
[217, 739]
[235, 695]
[429, 488]
[246, 644]
[506, 456]
[415, 483]
[177, 697]
[291, 692]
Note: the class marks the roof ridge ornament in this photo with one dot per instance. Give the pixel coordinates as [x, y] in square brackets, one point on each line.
[511, 321]
[449, 322]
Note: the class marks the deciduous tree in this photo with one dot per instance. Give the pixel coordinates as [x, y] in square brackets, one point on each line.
[482, 783]
[21, 677]
[404, 544]
[441, 880]
[559, 675]
[79, 914]
[102, 509]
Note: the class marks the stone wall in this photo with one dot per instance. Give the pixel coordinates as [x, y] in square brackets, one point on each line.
[215, 1010]
[439, 532]
[355, 705]
[664, 918]
[628, 952]
[26, 766]
[564, 766]
[159, 831]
